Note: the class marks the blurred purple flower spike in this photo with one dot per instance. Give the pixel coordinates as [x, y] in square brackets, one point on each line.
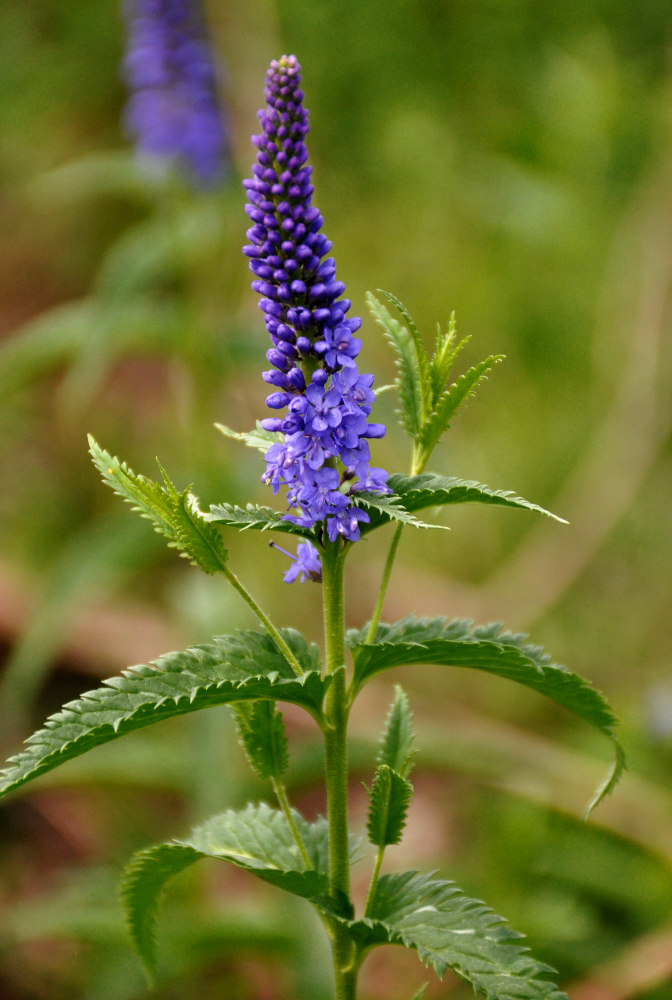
[173, 112]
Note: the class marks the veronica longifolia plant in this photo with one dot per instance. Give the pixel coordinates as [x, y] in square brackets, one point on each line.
[316, 449]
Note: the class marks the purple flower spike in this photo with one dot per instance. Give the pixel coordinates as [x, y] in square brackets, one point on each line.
[324, 456]
[306, 563]
[172, 112]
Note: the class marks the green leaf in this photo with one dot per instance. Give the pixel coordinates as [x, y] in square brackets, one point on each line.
[255, 518]
[391, 790]
[386, 507]
[420, 351]
[427, 405]
[258, 839]
[396, 745]
[258, 438]
[142, 887]
[388, 804]
[430, 490]
[262, 734]
[444, 357]
[412, 366]
[174, 515]
[460, 644]
[413, 493]
[451, 931]
[451, 400]
[230, 669]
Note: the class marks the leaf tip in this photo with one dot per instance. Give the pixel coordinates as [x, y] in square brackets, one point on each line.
[613, 777]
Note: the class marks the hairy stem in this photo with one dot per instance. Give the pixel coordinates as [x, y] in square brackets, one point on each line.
[336, 764]
[265, 621]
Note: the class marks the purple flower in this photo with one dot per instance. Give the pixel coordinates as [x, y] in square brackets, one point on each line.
[306, 563]
[173, 112]
[324, 455]
[346, 524]
[339, 348]
[321, 496]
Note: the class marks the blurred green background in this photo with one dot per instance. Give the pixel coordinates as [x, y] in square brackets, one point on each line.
[507, 159]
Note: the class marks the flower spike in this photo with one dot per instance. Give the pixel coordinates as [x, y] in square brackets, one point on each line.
[323, 458]
[173, 112]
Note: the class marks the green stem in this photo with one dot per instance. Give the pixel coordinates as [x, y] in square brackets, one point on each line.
[281, 795]
[417, 465]
[336, 764]
[374, 880]
[265, 621]
[387, 573]
[283, 801]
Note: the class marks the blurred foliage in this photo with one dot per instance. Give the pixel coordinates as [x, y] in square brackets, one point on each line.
[508, 160]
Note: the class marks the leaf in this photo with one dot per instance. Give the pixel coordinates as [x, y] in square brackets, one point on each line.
[262, 735]
[396, 745]
[410, 365]
[459, 644]
[391, 790]
[258, 438]
[451, 931]
[386, 507]
[450, 401]
[258, 839]
[382, 508]
[230, 669]
[427, 406]
[444, 357]
[142, 887]
[420, 351]
[174, 515]
[388, 804]
[255, 518]
[430, 490]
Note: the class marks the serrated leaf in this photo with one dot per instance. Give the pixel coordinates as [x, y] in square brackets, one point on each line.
[409, 366]
[385, 507]
[381, 507]
[396, 745]
[263, 737]
[142, 887]
[444, 357]
[258, 839]
[420, 351]
[447, 405]
[174, 514]
[230, 669]
[448, 930]
[254, 518]
[430, 490]
[388, 804]
[259, 438]
[460, 644]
